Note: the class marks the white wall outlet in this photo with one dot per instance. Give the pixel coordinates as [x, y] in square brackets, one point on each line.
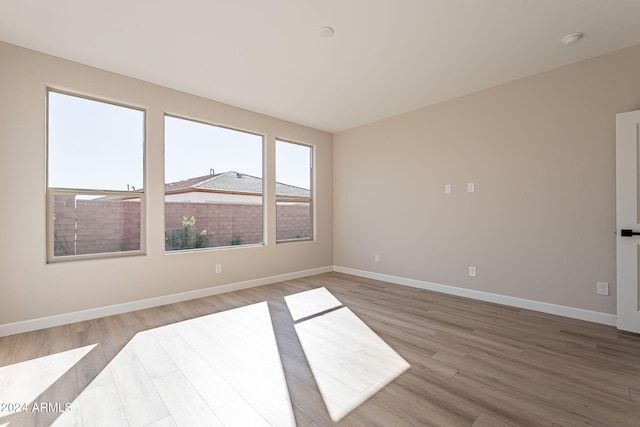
[472, 271]
[447, 189]
[471, 187]
[376, 258]
[218, 268]
[603, 288]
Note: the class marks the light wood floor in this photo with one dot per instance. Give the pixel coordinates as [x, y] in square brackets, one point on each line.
[471, 363]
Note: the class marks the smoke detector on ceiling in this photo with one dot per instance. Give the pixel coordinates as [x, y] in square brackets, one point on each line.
[572, 38]
[326, 32]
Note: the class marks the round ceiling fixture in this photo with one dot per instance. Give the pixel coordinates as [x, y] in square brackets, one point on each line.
[326, 32]
[572, 38]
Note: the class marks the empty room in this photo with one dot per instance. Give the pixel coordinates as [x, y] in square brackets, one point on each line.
[317, 213]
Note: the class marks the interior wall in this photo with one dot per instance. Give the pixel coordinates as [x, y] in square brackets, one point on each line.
[541, 153]
[30, 288]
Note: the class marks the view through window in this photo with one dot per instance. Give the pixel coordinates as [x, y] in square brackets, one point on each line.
[95, 170]
[213, 182]
[294, 208]
[213, 186]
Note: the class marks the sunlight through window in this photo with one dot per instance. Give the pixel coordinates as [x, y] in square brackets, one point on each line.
[309, 303]
[220, 369]
[23, 382]
[349, 361]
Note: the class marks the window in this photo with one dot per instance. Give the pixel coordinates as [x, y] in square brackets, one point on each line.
[95, 170]
[213, 186]
[294, 196]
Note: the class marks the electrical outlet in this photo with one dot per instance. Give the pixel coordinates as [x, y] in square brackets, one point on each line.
[471, 187]
[603, 288]
[447, 189]
[218, 268]
[472, 271]
[376, 258]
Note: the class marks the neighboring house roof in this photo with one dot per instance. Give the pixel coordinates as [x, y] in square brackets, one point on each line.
[231, 182]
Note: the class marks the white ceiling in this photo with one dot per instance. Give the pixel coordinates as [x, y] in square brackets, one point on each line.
[386, 57]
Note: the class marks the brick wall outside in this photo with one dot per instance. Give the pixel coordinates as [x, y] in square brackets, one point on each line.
[229, 223]
[95, 226]
[293, 222]
[107, 225]
[64, 224]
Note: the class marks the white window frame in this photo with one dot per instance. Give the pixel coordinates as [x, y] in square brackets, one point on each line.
[51, 192]
[309, 200]
[263, 144]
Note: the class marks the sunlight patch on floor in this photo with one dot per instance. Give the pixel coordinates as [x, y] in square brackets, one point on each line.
[220, 369]
[23, 382]
[349, 361]
[308, 303]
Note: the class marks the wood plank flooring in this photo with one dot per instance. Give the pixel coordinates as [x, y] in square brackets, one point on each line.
[471, 363]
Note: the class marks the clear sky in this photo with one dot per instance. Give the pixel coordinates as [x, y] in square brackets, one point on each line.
[96, 145]
[193, 149]
[293, 163]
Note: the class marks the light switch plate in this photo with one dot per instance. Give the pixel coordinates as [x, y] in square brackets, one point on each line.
[603, 288]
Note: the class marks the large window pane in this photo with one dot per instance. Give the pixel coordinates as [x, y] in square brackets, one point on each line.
[213, 186]
[293, 220]
[94, 145]
[95, 170]
[85, 224]
[294, 198]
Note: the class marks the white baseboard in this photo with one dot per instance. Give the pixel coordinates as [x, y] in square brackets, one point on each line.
[94, 313]
[78, 316]
[560, 310]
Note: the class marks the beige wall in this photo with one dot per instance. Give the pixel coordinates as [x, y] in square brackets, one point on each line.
[541, 152]
[540, 225]
[30, 288]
